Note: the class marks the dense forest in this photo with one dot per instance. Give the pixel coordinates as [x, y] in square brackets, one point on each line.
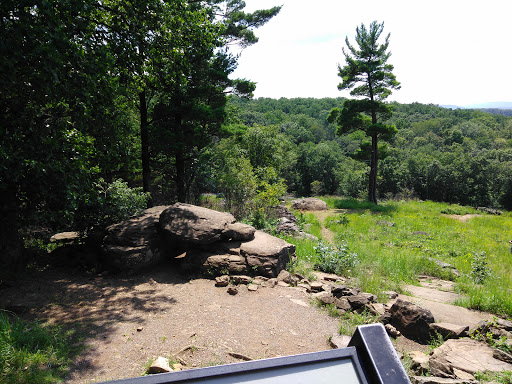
[108, 107]
[458, 156]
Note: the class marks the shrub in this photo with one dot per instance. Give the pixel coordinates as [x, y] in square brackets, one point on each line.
[479, 269]
[110, 203]
[334, 260]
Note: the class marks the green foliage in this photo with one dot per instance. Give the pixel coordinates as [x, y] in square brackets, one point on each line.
[479, 268]
[334, 259]
[503, 377]
[110, 203]
[31, 353]
[351, 320]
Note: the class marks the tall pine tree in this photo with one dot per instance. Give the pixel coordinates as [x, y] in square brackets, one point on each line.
[368, 75]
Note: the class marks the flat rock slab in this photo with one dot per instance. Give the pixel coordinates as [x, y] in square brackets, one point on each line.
[309, 204]
[432, 294]
[467, 355]
[437, 283]
[449, 330]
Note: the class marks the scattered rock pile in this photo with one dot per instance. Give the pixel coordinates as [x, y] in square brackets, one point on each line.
[288, 223]
[199, 239]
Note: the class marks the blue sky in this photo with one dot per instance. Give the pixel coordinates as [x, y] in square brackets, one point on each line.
[444, 52]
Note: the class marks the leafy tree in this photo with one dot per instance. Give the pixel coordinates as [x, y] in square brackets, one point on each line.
[53, 67]
[151, 42]
[368, 75]
[191, 111]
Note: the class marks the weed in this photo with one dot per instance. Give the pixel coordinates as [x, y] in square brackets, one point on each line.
[351, 320]
[504, 377]
[479, 268]
[332, 260]
[436, 340]
[32, 353]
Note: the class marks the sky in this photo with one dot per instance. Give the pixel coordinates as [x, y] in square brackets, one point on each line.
[449, 52]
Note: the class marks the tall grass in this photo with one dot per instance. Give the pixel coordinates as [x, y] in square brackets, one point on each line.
[401, 240]
[31, 353]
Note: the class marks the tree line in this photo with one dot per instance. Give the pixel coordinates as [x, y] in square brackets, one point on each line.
[457, 156]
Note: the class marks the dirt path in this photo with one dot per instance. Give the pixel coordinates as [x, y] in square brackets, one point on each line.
[173, 313]
[327, 234]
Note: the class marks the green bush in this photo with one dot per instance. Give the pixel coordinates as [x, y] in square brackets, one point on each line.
[479, 268]
[110, 203]
[334, 260]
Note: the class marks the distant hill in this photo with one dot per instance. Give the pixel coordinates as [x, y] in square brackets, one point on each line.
[491, 105]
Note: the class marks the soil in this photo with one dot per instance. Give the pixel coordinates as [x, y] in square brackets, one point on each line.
[126, 321]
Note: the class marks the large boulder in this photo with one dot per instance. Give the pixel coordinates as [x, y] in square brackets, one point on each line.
[267, 254]
[411, 320]
[195, 225]
[134, 244]
[309, 204]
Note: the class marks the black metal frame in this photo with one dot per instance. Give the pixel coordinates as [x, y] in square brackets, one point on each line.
[370, 351]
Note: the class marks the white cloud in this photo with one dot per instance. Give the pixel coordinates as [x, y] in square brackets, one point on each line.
[444, 52]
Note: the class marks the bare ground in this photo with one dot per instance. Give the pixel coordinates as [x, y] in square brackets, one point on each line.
[126, 321]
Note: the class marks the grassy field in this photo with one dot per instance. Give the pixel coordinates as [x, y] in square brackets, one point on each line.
[397, 241]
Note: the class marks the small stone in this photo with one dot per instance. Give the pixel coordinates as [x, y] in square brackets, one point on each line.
[463, 375]
[286, 277]
[370, 296]
[232, 290]
[357, 301]
[177, 367]
[140, 329]
[392, 331]
[252, 287]
[391, 294]
[324, 297]
[316, 286]
[419, 362]
[160, 365]
[271, 283]
[241, 279]
[343, 304]
[282, 284]
[222, 281]
[339, 341]
[377, 308]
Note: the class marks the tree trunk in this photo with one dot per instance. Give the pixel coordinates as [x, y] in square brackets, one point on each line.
[144, 138]
[372, 189]
[11, 249]
[180, 177]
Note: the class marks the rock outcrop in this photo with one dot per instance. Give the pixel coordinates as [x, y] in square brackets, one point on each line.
[411, 320]
[197, 238]
[458, 357]
[134, 244]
